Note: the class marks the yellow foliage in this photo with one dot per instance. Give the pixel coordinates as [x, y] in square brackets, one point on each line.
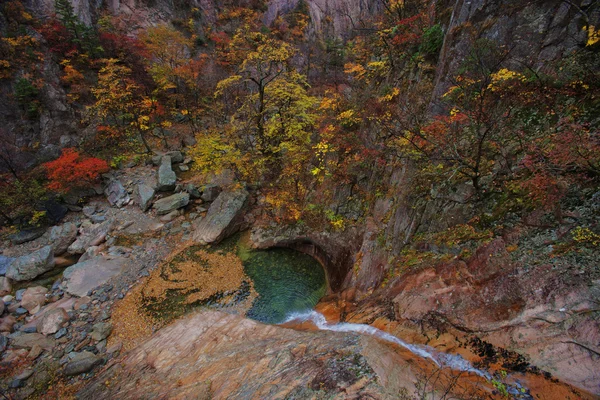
[593, 36]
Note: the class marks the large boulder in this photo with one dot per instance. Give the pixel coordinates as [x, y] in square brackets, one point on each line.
[62, 236]
[88, 275]
[143, 196]
[92, 236]
[116, 194]
[28, 267]
[171, 203]
[34, 297]
[166, 175]
[223, 217]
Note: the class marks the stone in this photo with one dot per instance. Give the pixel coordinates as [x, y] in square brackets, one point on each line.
[33, 297]
[81, 362]
[210, 192]
[26, 235]
[60, 333]
[90, 274]
[53, 320]
[116, 194]
[170, 216]
[176, 156]
[91, 236]
[184, 168]
[166, 176]
[3, 343]
[28, 340]
[55, 211]
[193, 191]
[222, 219]
[4, 263]
[7, 323]
[100, 331]
[8, 299]
[5, 286]
[32, 265]
[89, 210]
[171, 203]
[2, 306]
[19, 294]
[35, 352]
[144, 196]
[62, 236]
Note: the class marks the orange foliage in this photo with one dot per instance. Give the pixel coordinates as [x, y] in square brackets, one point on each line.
[71, 170]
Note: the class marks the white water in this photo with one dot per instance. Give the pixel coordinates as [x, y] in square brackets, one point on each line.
[451, 361]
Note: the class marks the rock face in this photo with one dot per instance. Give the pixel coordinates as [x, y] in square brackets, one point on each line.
[223, 217]
[537, 32]
[61, 237]
[166, 176]
[210, 192]
[28, 267]
[532, 312]
[88, 275]
[144, 196]
[171, 203]
[92, 236]
[216, 355]
[116, 194]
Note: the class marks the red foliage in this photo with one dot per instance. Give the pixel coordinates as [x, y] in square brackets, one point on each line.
[71, 170]
[58, 38]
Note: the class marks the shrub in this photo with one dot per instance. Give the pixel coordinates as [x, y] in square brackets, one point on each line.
[71, 171]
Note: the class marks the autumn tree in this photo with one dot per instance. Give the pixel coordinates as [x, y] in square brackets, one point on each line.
[122, 109]
[72, 170]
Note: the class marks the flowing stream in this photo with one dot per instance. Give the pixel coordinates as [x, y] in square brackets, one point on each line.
[440, 359]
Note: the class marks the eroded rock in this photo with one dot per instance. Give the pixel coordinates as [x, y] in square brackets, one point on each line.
[52, 321]
[223, 217]
[34, 297]
[144, 196]
[81, 362]
[91, 236]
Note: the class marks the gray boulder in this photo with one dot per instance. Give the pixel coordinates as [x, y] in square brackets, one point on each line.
[116, 194]
[166, 175]
[92, 236]
[171, 203]
[90, 274]
[81, 362]
[27, 267]
[100, 331]
[4, 263]
[28, 340]
[62, 236]
[222, 219]
[144, 196]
